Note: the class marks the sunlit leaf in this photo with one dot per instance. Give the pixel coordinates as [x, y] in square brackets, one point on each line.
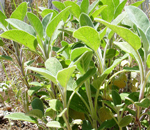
[36, 23]
[125, 33]
[21, 37]
[21, 116]
[89, 36]
[20, 11]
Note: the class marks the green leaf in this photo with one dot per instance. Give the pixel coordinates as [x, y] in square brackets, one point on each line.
[129, 49]
[1, 42]
[84, 61]
[125, 33]
[93, 6]
[33, 90]
[45, 22]
[21, 26]
[53, 65]
[35, 113]
[59, 5]
[2, 19]
[138, 3]
[75, 9]
[102, 33]
[4, 57]
[20, 11]
[85, 20]
[86, 125]
[120, 8]
[54, 124]
[47, 74]
[98, 82]
[108, 12]
[21, 37]
[84, 77]
[138, 17]
[98, 11]
[145, 39]
[148, 61]
[145, 103]
[107, 124]
[55, 21]
[64, 75]
[36, 23]
[56, 105]
[50, 112]
[84, 6]
[78, 52]
[76, 102]
[38, 104]
[111, 53]
[89, 36]
[21, 116]
[125, 121]
[48, 11]
[116, 97]
[116, 3]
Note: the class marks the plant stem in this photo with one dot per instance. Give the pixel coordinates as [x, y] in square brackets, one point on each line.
[93, 112]
[143, 86]
[100, 61]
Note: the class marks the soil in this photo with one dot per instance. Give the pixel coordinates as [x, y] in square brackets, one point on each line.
[8, 103]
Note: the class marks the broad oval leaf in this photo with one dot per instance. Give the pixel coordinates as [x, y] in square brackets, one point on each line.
[145, 103]
[85, 20]
[98, 11]
[138, 17]
[84, 6]
[89, 36]
[125, 121]
[59, 5]
[21, 116]
[116, 98]
[55, 21]
[36, 23]
[21, 37]
[35, 113]
[56, 105]
[44, 73]
[108, 12]
[125, 33]
[64, 75]
[120, 8]
[2, 19]
[75, 9]
[54, 124]
[78, 51]
[21, 26]
[83, 61]
[53, 65]
[20, 11]
[38, 104]
[47, 11]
